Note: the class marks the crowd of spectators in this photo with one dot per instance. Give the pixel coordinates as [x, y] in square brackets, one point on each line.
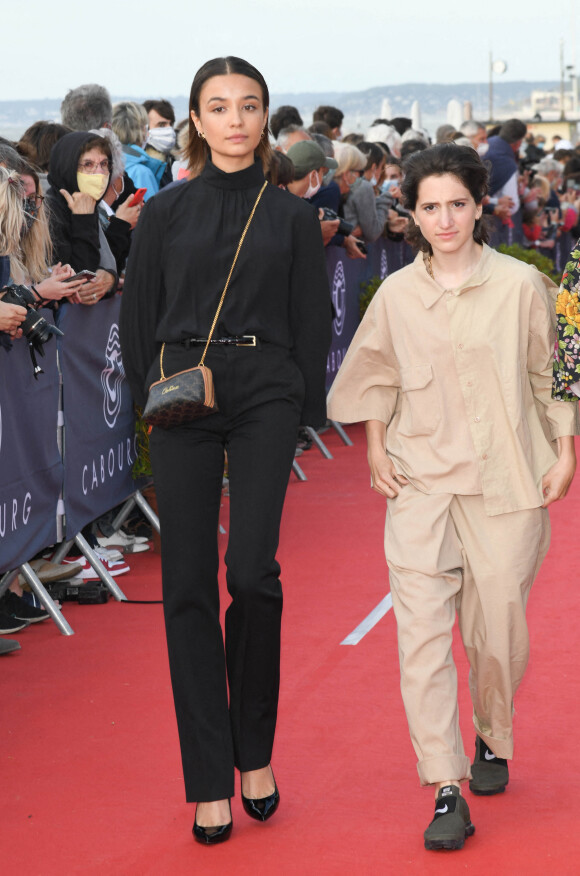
[71, 194]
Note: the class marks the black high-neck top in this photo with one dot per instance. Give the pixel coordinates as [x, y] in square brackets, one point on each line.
[181, 254]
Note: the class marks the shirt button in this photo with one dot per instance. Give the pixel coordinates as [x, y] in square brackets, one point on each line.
[470, 383]
[460, 346]
[476, 419]
[484, 456]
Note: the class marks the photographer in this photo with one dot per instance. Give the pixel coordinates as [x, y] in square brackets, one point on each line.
[367, 212]
[25, 250]
[398, 216]
[551, 170]
[331, 197]
[11, 219]
[310, 164]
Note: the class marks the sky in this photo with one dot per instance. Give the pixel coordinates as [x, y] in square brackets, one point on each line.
[150, 49]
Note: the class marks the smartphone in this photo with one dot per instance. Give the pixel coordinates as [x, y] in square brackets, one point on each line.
[137, 197]
[82, 275]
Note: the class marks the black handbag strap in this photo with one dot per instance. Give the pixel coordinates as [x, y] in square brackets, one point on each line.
[219, 307]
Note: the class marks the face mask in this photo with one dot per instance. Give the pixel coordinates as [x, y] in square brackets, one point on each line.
[30, 212]
[390, 184]
[162, 139]
[373, 181]
[312, 189]
[93, 184]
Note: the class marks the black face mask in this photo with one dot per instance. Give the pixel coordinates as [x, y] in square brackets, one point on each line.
[30, 212]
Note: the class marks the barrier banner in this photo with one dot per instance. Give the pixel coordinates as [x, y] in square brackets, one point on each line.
[562, 248]
[31, 468]
[98, 413]
[344, 276]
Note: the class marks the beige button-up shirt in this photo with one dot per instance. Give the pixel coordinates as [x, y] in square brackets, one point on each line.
[463, 380]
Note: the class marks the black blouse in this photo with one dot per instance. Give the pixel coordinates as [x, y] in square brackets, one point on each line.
[181, 254]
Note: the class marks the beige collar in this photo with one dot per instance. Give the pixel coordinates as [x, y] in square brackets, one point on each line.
[430, 291]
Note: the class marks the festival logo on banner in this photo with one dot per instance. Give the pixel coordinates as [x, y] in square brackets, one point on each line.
[16, 511]
[339, 297]
[112, 378]
[384, 265]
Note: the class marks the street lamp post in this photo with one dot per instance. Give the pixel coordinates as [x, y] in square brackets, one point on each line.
[498, 67]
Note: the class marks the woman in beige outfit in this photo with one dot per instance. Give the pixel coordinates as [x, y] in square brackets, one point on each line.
[451, 371]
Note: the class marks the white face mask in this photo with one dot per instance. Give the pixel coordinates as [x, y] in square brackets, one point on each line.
[312, 189]
[162, 139]
[373, 181]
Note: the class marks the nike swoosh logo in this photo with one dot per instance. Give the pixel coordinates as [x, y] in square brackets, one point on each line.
[442, 811]
[489, 755]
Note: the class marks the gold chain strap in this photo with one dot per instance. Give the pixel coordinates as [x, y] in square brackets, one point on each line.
[219, 307]
[217, 313]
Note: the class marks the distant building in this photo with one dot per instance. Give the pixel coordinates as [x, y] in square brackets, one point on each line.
[549, 101]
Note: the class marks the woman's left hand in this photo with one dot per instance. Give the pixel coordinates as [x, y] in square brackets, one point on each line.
[92, 292]
[556, 482]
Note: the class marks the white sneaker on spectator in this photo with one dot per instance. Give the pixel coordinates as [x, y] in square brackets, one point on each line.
[87, 573]
[108, 554]
[121, 538]
[125, 548]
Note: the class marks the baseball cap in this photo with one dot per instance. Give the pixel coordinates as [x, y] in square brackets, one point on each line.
[306, 156]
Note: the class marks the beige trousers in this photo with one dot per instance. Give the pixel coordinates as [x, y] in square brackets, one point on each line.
[445, 554]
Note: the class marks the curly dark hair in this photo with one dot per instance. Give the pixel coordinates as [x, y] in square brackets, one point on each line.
[444, 158]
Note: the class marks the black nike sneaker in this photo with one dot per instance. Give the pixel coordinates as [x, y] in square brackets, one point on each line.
[489, 774]
[452, 822]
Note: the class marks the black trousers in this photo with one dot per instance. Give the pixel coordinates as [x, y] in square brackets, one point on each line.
[217, 734]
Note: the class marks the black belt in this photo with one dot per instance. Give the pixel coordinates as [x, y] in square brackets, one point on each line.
[233, 341]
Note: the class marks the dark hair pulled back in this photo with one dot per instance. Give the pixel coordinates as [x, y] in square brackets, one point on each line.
[462, 162]
[198, 151]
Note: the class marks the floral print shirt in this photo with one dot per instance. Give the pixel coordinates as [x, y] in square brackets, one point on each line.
[567, 346]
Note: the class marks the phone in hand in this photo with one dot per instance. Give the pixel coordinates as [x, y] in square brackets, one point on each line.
[82, 275]
[137, 197]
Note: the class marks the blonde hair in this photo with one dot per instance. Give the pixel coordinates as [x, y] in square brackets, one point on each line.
[11, 213]
[35, 243]
[543, 184]
[129, 120]
[349, 157]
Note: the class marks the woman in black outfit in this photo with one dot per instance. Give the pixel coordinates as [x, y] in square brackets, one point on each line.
[268, 358]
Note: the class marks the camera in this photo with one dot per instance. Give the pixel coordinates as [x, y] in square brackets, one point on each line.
[393, 204]
[344, 226]
[35, 328]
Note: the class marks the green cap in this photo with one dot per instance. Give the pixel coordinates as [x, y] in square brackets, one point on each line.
[306, 156]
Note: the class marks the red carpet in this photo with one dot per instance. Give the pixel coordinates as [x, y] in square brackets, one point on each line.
[91, 780]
